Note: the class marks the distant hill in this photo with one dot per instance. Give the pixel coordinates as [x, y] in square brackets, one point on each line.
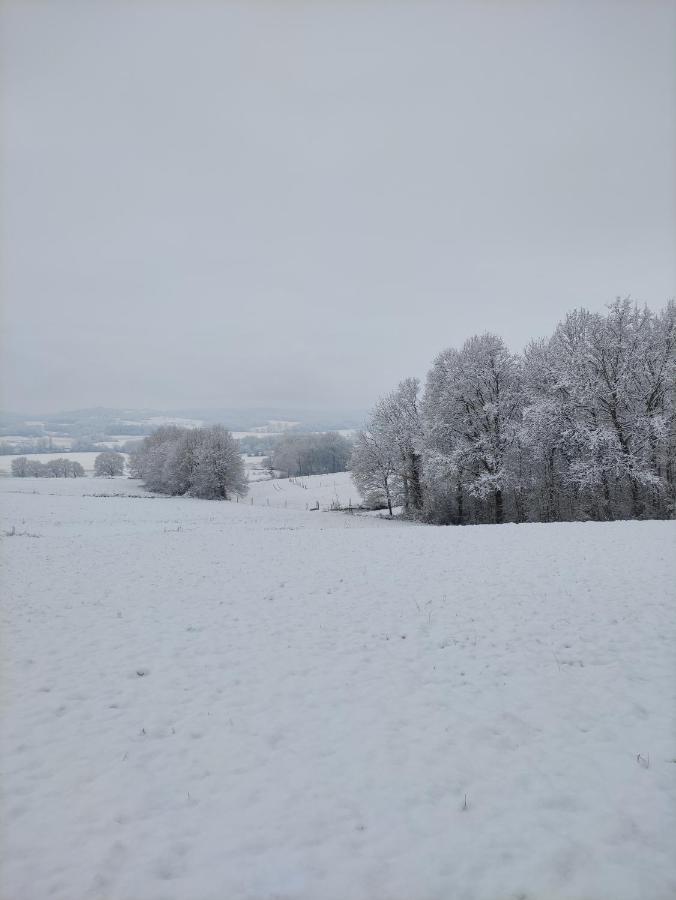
[99, 422]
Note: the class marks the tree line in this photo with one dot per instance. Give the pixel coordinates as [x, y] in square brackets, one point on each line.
[314, 453]
[41, 445]
[22, 467]
[201, 462]
[109, 463]
[581, 425]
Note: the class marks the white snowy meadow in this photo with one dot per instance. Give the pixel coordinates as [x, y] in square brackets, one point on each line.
[338, 450]
[252, 700]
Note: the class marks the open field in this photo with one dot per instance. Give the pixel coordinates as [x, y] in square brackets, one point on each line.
[304, 493]
[208, 700]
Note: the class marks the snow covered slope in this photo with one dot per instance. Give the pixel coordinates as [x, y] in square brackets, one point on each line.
[304, 493]
[214, 700]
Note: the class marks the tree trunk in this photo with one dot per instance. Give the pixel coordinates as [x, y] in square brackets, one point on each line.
[499, 509]
[416, 488]
[551, 492]
[636, 505]
[636, 508]
[608, 507]
[387, 495]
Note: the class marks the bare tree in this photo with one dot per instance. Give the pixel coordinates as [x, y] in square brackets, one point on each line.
[396, 419]
[375, 469]
[20, 467]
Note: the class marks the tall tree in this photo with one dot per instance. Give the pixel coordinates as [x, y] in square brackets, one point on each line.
[397, 419]
[473, 405]
[375, 469]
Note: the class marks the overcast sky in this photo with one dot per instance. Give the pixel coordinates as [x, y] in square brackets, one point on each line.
[300, 203]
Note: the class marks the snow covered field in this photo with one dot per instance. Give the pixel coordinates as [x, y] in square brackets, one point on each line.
[219, 701]
[304, 493]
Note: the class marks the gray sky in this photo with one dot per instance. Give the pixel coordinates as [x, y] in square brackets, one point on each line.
[299, 203]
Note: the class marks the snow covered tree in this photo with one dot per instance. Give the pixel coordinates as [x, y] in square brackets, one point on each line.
[20, 467]
[375, 468]
[147, 459]
[219, 469]
[397, 422]
[615, 381]
[545, 424]
[655, 380]
[203, 462]
[61, 468]
[473, 405]
[310, 454]
[54, 468]
[582, 425]
[108, 464]
[179, 461]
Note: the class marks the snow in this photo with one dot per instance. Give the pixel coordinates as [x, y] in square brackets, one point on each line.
[304, 493]
[257, 434]
[215, 700]
[255, 470]
[114, 441]
[180, 421]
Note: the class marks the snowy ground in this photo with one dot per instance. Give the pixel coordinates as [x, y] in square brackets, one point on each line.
[219, 701]
[255, 470]
[304, 493]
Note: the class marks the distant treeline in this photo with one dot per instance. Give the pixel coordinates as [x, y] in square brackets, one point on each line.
[41, 445]
[580, 426]
[257, 445]
[33, 431]
[294, 455]
[46, 445]
[22, 467]
[125, 429]
[108, 463]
